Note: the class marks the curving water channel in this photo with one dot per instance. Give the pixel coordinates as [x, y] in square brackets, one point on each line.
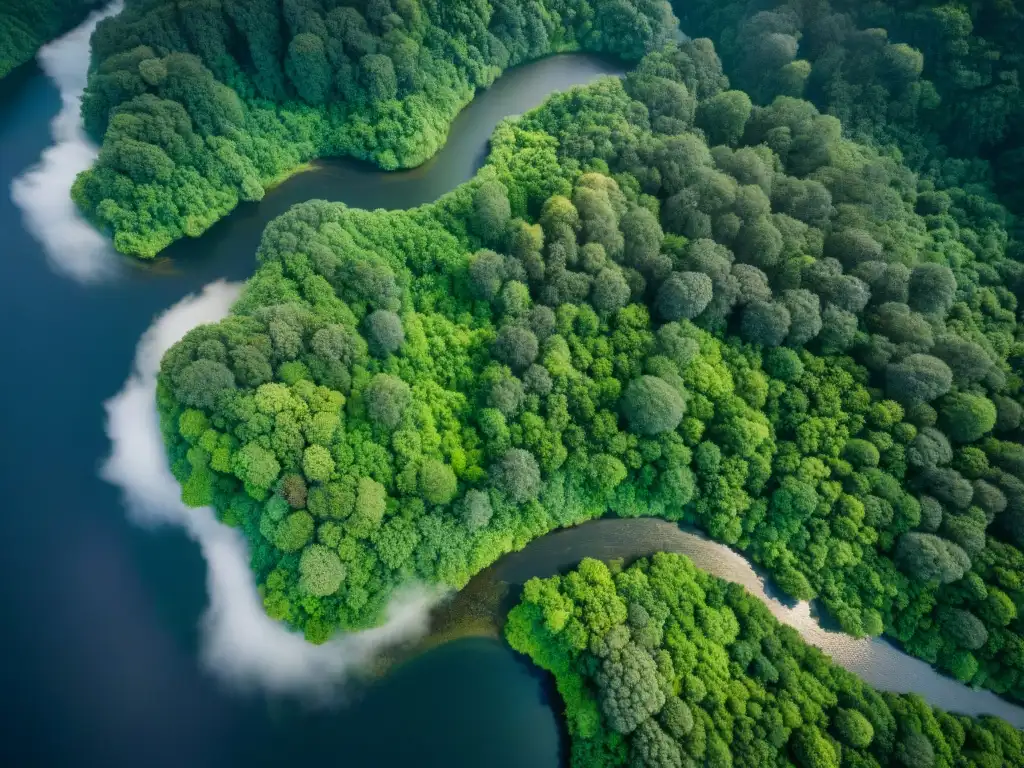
[104, 648]
[106, 643]
[876, 661]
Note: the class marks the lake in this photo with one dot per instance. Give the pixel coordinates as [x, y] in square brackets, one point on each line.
[103, 643]
[102, 616]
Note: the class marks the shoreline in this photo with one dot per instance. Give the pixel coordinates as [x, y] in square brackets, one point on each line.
[480, 608]
[281, 178]
[417, 163]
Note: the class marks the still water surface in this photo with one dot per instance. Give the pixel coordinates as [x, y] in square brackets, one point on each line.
[101, 644]
[876, 661]
[100, 649]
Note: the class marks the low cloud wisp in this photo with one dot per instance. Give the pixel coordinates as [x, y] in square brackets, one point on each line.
[240, 643]
[43, 192]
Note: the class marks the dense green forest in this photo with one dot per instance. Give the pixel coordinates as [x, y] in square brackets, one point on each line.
[201, 104]
[253, 89]
[25, 25]
[939, 79]
[661, 665]
[657, 298]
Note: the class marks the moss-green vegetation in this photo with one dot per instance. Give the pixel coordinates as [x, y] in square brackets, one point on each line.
[939, 79]
[201, 104]
[782, 338]
[663, 666]
[25, 25]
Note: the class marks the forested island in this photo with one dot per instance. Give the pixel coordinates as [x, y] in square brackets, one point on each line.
[662, 666]
[25, 25]
[202, 104]
[658, 298]
[757, 300]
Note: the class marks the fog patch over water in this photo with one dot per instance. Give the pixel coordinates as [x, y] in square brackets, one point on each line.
[240, 643]
[43, 193]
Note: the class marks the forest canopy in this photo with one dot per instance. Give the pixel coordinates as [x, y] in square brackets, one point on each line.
[942, 81]
[25, 25]
[202, 104]
[788, 339]
[661, 665]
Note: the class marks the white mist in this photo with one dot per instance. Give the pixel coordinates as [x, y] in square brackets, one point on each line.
[241, 644]
[43, 193]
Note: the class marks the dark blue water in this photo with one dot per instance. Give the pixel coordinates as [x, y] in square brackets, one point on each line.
[100, 643]
[100, 648]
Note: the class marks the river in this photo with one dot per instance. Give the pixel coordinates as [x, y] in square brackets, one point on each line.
[103, 641]
[103, 648]
[876, 661]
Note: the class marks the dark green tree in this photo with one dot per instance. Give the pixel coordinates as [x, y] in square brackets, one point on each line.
[652, 406]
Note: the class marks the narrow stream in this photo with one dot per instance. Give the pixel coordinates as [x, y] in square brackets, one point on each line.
[876, 661]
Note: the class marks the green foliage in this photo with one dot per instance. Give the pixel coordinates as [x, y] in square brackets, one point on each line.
[491, 211]
[652, 406]
[931, 558]
[200, 382]
[698, 672]
[308, 68]
[813, 749]
[918, 378]
[202, 106]
[317, 464]
[476, 510]
[932, 289]
[294, 532]
[320, 570]
[915, 750]
[783, 364]
[766, 323]
[853, 728]
[369, 509]
[966, 417]
[387, 398]
[877, 467]
[437, 482]
[941, 81]
[929, 449]
[724, 116]
[685, 295]
[628, 683]
[25, 25]
[677, 718]
[516, 346]
[964, 628]
[385, 334]
[517, 475]
[255, 466]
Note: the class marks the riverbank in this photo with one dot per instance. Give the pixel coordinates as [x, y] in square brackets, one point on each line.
[114, 671]
[479, 609]
[418, 132]
[123, 603]
[281, 178]
[662, 654]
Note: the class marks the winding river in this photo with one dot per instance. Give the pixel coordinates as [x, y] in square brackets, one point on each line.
[103, 645]
[876, 661]
[104, 648]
